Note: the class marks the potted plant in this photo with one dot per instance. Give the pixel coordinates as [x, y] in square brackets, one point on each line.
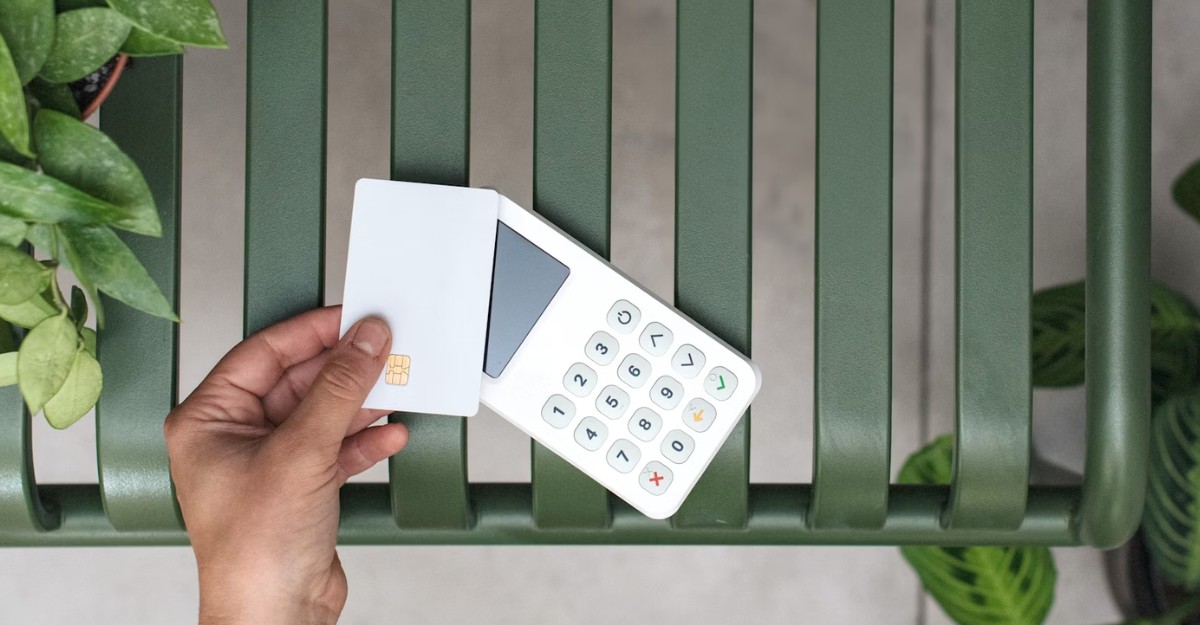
[65, 186]
[1161, 567]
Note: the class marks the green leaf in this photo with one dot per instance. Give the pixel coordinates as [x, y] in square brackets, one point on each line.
[55, 97]
[44, 360]
[41, 199]
[78, 393]
[28, 27]
[1058, 336]
[79, 307]
[1058, 339]
[85, 40]
[85, 158]
[978, 585]
[30, 313]
[1169, 520]
[191, 22]
[12, 230]
[142, 43]
[70, 5]
[1186, 190]
[14, 116]
[21, 277]
[8, 368]
[100, 257]
[89, 340]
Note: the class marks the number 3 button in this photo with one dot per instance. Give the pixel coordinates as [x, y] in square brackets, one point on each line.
[601, 348]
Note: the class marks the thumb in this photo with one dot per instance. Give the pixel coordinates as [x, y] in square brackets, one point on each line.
[324, 415]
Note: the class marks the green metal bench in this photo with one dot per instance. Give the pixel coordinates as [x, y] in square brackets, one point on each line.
[429, 499]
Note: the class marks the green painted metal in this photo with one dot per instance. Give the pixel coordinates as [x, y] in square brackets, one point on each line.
[429, 500]
[853, 398]
[21, 507]
[1118, 269]
[285, 160]
[994, 167]
[137, 352]
[714, 73]
[430, 129]
[572, 127]
[777, 517]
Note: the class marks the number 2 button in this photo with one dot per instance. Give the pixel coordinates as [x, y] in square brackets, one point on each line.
[580, 379]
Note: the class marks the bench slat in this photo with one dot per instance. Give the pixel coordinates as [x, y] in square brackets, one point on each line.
[852, 456]
[994, 162]
[712, 217]
[430, 130]
[571, 175]
[139, 353]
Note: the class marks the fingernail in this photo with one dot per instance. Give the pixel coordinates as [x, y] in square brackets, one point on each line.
[371, 336]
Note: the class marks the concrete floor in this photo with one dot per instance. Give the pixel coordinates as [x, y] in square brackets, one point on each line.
[697, 585]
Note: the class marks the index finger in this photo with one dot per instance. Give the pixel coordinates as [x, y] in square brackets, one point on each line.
[256, 364]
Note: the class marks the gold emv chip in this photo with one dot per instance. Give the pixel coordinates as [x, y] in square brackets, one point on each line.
[397, 369]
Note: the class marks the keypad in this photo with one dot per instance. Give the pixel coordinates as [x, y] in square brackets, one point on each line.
[626, 378]
[645, 424]
[720, 383]
[624, 317]
[601, 348]
[699, 414]
[677, 446]
[612, 402]
[688, 361]
[655, 478]
[624, 455]
[591, 433]
[656, 338]
[580, 379]
[666, 392]
[634, 370]
[558, 411]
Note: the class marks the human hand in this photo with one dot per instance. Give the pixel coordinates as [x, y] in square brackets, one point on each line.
[258, 453]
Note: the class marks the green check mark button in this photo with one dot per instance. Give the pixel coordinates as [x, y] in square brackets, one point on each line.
[720, 383]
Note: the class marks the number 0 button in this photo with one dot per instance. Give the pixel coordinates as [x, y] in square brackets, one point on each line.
[558, 411]
[666, 392]
[601, 348]
[677, 446]
[591, 433]
[623, 456]
[580, 379]
[624, 317]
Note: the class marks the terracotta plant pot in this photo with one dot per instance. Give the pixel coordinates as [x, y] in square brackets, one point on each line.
[91, 91]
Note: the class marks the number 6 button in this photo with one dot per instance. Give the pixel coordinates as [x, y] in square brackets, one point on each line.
[634, 370]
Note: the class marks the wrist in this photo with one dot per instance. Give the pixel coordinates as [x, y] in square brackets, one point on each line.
[245, 596]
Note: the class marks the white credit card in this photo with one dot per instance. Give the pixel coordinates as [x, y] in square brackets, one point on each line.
[421, 259]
